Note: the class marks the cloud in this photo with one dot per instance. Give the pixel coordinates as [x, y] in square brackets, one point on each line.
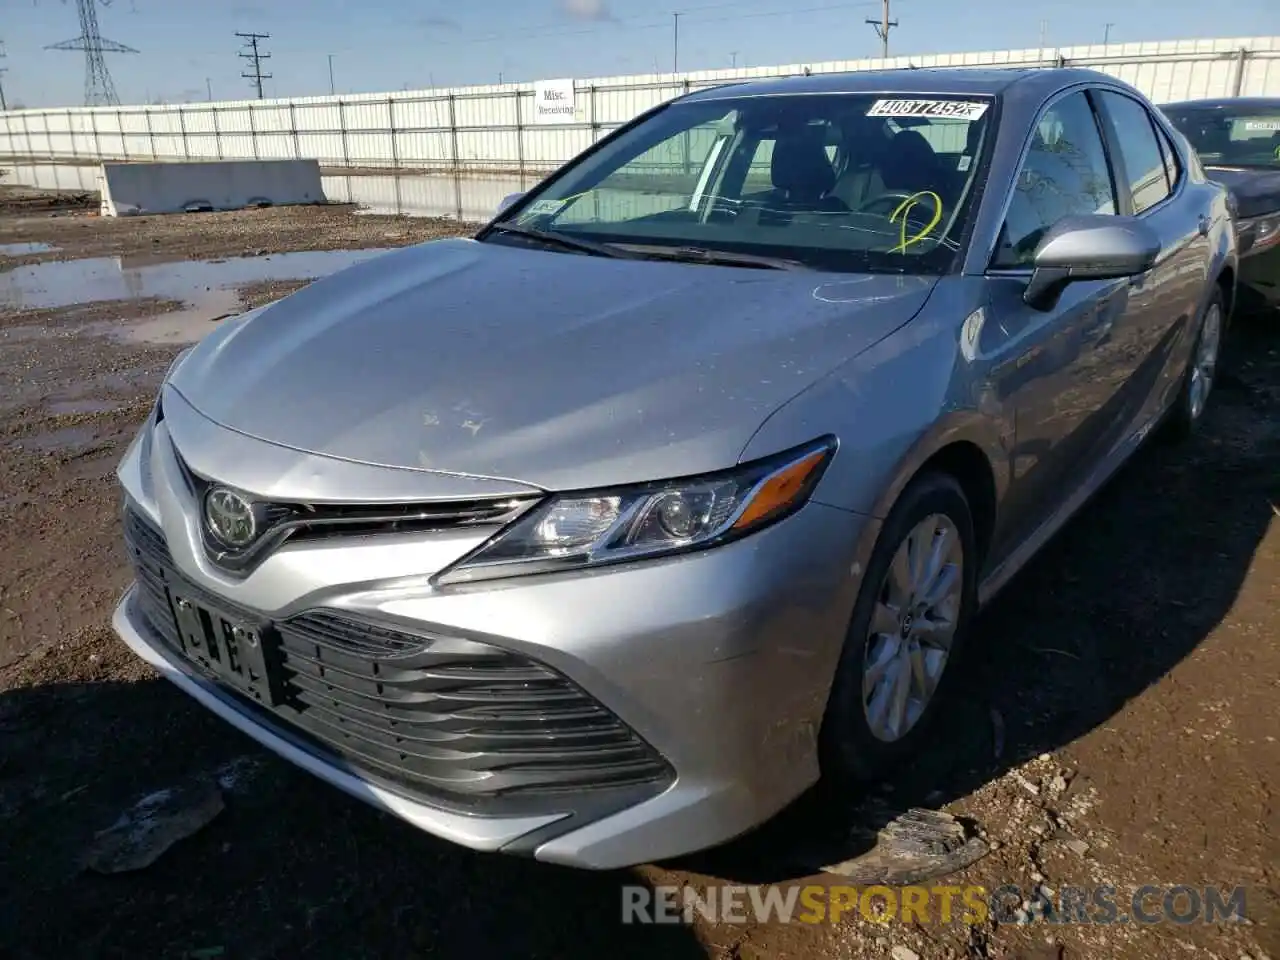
[438, 23]
[597, 10]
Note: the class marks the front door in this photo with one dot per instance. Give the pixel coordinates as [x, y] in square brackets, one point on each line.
[1052, 372]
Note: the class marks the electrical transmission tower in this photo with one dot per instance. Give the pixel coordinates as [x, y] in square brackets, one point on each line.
[251, 41]
[4, 105]
[98, 88]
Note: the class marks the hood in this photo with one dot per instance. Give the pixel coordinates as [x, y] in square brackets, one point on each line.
[552, 369]
[1256, 192]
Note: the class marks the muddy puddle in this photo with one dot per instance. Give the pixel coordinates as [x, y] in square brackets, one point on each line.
[25, 249]
[58, 441]
[63, 408]
[207, 288]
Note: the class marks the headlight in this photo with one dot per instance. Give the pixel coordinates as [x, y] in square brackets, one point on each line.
[593, 528]
[1258, 233]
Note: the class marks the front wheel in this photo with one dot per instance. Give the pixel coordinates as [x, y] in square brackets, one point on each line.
[906, 633]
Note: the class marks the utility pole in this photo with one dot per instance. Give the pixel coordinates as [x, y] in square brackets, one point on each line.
[1106, 33]
[331, 90]
[882, 28]
[675, 44]
[257, 76]
[4, 105]
[208, 88]
[733, 57]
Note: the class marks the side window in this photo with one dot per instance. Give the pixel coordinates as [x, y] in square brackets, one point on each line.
[1144, 164]
[1065, 172]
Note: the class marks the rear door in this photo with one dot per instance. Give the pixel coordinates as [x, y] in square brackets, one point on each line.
[1048, 371]
[1148, 359]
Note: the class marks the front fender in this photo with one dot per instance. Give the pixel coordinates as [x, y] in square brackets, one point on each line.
[892, 409]
[1223, 254]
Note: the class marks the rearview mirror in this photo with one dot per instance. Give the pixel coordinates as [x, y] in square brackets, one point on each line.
[507, 201]
[1089, 247]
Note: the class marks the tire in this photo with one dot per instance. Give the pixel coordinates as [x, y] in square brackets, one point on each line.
[1197, 382]
[851, 750]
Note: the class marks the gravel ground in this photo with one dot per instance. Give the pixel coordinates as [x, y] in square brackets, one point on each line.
[1117, 725]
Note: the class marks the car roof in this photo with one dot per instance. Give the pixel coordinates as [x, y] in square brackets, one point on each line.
[1265, 103]
[943, 81]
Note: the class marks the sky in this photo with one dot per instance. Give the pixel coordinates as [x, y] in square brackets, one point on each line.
[188, 48]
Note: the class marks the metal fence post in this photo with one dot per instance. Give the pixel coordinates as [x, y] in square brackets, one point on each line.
[595, 119]
[124, 139]
[342, 124]
[151, 134]
[685, 148]
[253, 133]
[293, 126]
[93, 125]
[1242, 56]
[217, 133]
[395, 149]
[519, 139]
[26, 135]
[182, 126]
[395, 154]
[71, 131]
[457, 160]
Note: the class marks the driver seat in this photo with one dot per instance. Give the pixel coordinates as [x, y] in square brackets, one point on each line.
[802, 176]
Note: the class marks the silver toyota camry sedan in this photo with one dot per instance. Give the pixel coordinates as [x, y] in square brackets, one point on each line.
[603, 534]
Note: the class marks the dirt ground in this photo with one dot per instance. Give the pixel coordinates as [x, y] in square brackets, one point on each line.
[1117, 725]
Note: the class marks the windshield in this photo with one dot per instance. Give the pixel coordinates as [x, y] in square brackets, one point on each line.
[835, 182]
[1244, 136]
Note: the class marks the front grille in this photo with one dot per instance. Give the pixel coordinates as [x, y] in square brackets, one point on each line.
[466, 723]
[280, 521]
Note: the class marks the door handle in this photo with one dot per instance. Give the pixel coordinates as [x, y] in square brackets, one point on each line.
[1203, 225]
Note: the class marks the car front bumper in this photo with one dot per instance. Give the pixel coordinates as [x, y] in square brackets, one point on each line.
[719, 662]
[1259, 287]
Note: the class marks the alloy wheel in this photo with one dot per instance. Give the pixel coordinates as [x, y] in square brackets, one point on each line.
[1204, 365]
[912, 627]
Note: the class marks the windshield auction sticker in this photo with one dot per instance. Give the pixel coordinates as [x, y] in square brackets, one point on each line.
[951, 109]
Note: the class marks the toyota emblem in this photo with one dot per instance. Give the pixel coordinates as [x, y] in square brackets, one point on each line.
[230, 517]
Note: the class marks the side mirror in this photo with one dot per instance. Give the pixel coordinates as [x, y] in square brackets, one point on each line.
[507, 201]
[1089, 247]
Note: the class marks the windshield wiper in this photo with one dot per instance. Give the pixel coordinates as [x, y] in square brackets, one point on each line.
[725, 258]
[561, 240]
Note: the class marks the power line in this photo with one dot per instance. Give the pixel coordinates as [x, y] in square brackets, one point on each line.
[882, 28]
[688, 15]
[257, 76]
[98, 86]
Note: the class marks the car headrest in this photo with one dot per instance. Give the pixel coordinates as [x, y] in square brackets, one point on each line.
[800, 166]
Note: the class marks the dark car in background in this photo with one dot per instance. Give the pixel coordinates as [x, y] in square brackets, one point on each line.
[1237, 140]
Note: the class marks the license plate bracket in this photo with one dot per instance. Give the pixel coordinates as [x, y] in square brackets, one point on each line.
[232, 650]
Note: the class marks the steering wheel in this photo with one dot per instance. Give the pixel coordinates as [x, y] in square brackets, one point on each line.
[890, 201]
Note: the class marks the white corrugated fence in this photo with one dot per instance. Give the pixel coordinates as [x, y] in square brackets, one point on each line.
[495, 129]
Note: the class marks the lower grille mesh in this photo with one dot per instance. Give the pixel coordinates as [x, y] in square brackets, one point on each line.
[456, 719]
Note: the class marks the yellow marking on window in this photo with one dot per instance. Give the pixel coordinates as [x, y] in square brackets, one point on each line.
[899, 215]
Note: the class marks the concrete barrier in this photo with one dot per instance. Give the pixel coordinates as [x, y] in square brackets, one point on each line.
[129, 189]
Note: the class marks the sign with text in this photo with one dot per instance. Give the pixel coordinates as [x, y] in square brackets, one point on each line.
[553, 101]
